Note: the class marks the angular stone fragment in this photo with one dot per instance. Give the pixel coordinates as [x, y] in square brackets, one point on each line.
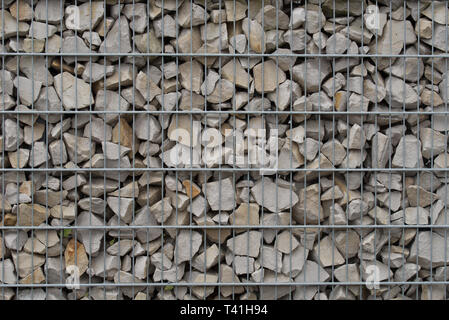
[184, 130]
[246, 244]
[240, 77]
[254, 32]
[308, 209]
[312, 273]
[28, 90]
[90, 15]
[394, 37]
[48, 11]
[118, 39]
[310, 74]
[110, 101]
[267, 76]
[245, 214]
[401, 93]
[416, 215]
[408, 153]
[272, 197]
[337, 44]
[187, 245]
[162, 210]
[191, 14]
[380, 151]
[207, 259]
[270, 258]
[122, 207]
[10, 26]
[235, 10]
[75, 255]
[435, 12]
[8, 273]
[94, 72]
[192, 190]
[191, 76]
[74, 92]
[38, 154]
[31, 214]
[79, 149]
[419, 197]
[327, 254]
[433, 250]
[19, 158]
[114, 151]
[220, 194]
[36, 69]
[224, 91]
[147, 127]
[433, 142]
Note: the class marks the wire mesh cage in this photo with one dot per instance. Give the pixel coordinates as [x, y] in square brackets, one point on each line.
[209, 149]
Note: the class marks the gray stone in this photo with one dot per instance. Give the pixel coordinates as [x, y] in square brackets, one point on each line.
[110, 101]
[28, 90]
[394, 45]
[246, 244]
[418, 196]
[74, 92]
[297, 39]
[90, 16]
[207, 259]
[220, 194]
[380, 150]
[137, 16]
[13, 135]
[311, 74]
[8, 272]
[433, 142]
[122, 207]
[36, 69]
[39, 154]
[401, 93]
[79, 149]
[337, 44]
[94, 72]
[167, 24]
[49, 10]
[118, 39]
[433, 250]
[187, 245]
[272, 197]
[408, 153]
[91, 239]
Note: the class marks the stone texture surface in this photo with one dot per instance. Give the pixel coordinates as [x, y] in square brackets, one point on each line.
[258, 148]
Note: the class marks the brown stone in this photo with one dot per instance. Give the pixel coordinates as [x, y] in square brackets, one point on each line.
[10, 220]
[37, 276]
[81, 260]
[245, 214]
[192, 190]
[25, 11]
[31, 214]
[125, 136]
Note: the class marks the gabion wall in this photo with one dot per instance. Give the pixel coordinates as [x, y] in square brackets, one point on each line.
[206, 149]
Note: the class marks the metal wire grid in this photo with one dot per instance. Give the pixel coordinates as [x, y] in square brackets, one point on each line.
[88, 283]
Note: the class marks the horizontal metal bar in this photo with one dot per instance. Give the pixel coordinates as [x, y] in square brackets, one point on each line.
[224, 226]
[224, 54]
[225, 169]
[224, 112]
[213, 284]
